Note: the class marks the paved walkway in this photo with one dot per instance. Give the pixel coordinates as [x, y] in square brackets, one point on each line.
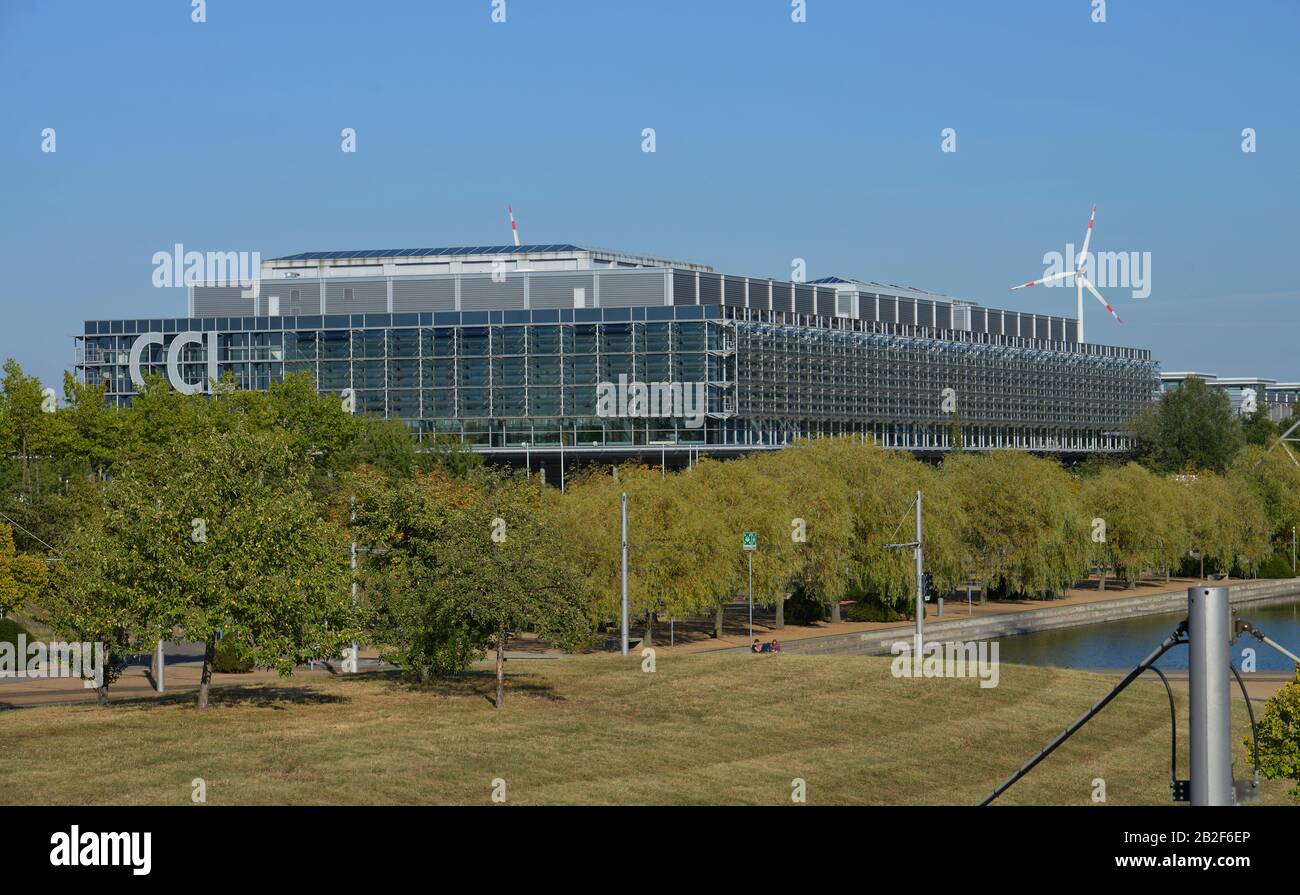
[688, 636]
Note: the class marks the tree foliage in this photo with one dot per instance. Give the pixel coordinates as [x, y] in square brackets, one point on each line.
[1279, 736]
[1189, 428]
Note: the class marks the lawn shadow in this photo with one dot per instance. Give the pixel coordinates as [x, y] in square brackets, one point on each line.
[276, 697]
[474, 684]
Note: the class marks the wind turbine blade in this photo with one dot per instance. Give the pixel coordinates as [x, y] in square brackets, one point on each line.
[1087, 238]
[1048, 279]
[1097, 295]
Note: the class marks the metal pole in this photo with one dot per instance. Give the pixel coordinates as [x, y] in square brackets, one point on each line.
[750, 554]
[624, 549]
[353, 563]
[1209, 629]
[160, 663]
[1293, 551]
[920, 584]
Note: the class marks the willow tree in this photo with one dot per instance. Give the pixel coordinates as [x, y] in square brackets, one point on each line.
[858, 498]
[1275, 481]
[1137, 523]
[821, 526]
[1023, 529]
[738, 496]
[675, 564]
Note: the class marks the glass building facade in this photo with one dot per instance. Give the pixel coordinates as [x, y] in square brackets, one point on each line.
[508, 378]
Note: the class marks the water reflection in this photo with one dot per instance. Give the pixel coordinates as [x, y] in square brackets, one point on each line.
[1122, 644]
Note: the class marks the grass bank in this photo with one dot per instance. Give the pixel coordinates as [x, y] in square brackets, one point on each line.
[704, 728]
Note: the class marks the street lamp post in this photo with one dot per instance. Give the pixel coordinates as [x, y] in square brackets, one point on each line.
[623, 503]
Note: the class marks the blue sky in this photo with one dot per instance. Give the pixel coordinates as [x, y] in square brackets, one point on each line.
[775, 140]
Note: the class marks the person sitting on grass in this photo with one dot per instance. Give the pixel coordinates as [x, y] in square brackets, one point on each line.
[755, 648]
[767, 648]
[775, 645]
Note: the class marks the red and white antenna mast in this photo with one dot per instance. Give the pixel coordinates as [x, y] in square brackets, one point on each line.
[514, 228]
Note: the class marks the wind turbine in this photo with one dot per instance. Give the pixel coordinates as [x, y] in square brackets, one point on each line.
[1080, 280]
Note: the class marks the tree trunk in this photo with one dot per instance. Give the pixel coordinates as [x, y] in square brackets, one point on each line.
[648, 640]
[835, 612]
[501, 669]
[717, 622]
[1202, 566]
[1102, 585]
[206, 677]
[780, 611]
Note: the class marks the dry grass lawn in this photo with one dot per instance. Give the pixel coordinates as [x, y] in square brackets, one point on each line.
[706, 728]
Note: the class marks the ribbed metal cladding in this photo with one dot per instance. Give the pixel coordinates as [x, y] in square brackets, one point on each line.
[979, 321]
[1040, 327]
[803, 300]
[1071, 330]
[760, 294]
[867, 309]
[924, 313]
[631, 288]
[907, 311]
[683, 287]
[481, 294]
[733, 291]
[783, 297]
[1058, 329]
[296, 296]
[367, 296]
[222, 301]
[548, 291]
[424, 294]
[943, 316]
[825, 302]
[710, 289]
[888, 309]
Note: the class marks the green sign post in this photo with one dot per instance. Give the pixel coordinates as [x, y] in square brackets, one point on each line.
[750, 543]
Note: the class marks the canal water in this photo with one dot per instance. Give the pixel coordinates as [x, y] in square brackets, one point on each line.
[1122, 644]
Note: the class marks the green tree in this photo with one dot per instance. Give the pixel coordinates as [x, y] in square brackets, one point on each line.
[465, 566]
[1279, 736]
[1137, 524]
[83, 602]
[737, 496]
[1024, 529]
[1226, 521]
[1192, 427]
[25, 428]
[219, 535]
[21, 576]
[1256, 428]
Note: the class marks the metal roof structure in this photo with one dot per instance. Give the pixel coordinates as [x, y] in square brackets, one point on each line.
[443, 251]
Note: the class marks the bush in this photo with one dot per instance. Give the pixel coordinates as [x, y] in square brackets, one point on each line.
[1276, 566]
[1279, 736]
[9, 631]
[868, 610]
[801, 609]
[230, 656]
